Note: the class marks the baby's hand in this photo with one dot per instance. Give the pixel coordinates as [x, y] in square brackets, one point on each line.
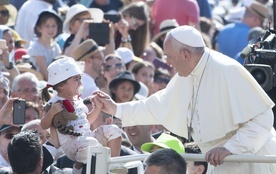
[96, 103]
[56, 108]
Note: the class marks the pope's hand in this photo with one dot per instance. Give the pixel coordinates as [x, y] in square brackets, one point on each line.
[216, 155]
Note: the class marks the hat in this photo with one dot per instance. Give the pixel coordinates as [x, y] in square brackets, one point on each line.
[5, 127]
[235, 14]
[17, 38]
[12, 12]
[50, 13]
[188, 35]
[71, 13]
[61, 70]
[85, 50]
[259, 9]
[165, 141]
[96, 14]
[143, 92]
[3, 28]
[18, 53]
[123, 76]
[165, 27]
[125, 53]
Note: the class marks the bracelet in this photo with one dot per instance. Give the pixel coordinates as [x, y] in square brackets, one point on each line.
[125, 40]
[10, 66]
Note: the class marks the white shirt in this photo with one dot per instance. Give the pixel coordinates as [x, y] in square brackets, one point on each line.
[89, 85]
[230, 110]
[3, 162]
[27, 17]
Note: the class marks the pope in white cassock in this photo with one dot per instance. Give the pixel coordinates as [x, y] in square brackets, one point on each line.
[215, 98]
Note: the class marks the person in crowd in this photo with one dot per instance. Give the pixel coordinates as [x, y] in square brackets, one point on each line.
[64, 76]
[185, 12]
[133, 28]
[128, 57]
[160, 80]
[30, 10]
[138, 135]
[32, 112]
[7, 132]
[25, 86]
[166, 141]
[4, 90]
[181, 107]
[92, 55]
[234, 36]
[44, 135]
[123, 87]
[165, 161]
[76, 24]
[144, 72]
[7, 55]
[8, 13]
[165, 26]
[113, 65]
[44, 48]
[195, 167]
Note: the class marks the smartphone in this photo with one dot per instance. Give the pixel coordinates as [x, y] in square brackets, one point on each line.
[99, 32]
[112, 17]
[19, 107]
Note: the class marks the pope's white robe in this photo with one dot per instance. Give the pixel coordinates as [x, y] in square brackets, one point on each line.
[230, 110]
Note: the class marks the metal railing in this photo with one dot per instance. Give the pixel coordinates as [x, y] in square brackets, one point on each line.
[99, 160]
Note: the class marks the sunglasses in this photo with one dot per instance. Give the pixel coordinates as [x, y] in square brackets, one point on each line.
[82, 19]
[110, 67]
[9, 136]
[161, 80]
[134, 22]
[4, 12]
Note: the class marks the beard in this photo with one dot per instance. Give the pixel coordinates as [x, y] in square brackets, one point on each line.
[50, 1]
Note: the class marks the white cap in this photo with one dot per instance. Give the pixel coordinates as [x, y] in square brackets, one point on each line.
[188, 35]
[125, 53]
[62, 69]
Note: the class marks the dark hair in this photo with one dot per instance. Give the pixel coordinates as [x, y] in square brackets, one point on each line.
[139, 65]
[168, 160]
[140, 37]
[25, 152]
[45, 95]
[193, 148]
[43, 17]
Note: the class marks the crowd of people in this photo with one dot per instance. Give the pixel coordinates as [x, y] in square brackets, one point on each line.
[169, 80]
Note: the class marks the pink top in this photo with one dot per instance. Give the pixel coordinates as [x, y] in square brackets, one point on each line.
[184, 11]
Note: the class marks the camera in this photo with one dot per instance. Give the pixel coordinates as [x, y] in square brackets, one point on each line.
[19, 107]
[99, 32]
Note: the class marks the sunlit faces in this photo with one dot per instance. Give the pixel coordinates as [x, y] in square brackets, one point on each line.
[113, 70]
[76, 23]
[48, 29]
[134, 23]
[9, 39]
[5, 138]
[145, 75]
[4, 15]
[27, 90]
[124, 92]
[71, 86]
[31, 114]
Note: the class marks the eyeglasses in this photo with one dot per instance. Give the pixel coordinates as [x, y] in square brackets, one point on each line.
[27, 90]
[9, 136]
[161, 80]
[134, 22]
[4, 12]
[110, 67]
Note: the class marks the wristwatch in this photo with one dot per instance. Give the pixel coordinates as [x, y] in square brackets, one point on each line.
[125, 40]
[10, 66]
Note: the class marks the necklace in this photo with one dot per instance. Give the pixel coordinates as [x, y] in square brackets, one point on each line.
[194, 102]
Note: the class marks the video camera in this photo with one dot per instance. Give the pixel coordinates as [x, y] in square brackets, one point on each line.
[260, 57]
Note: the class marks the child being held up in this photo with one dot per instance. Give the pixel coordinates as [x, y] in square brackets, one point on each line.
[64, 76]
